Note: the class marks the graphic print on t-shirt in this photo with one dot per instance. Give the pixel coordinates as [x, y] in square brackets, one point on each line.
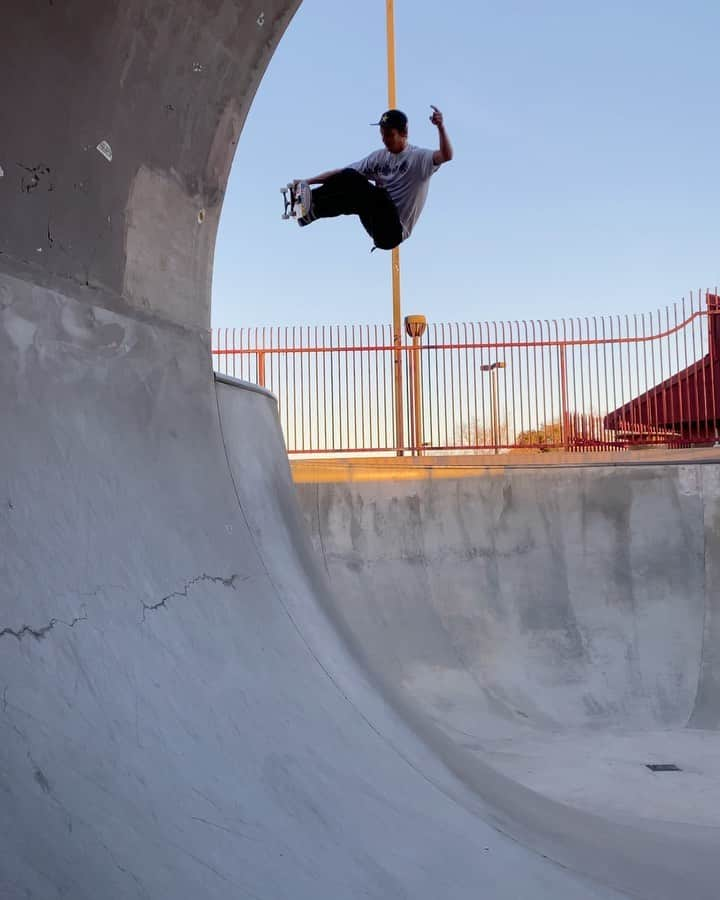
[405, 176]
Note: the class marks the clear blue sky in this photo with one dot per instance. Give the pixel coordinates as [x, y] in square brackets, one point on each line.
[585, 178]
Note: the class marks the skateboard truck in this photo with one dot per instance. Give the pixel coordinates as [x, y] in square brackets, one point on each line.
[289, 200]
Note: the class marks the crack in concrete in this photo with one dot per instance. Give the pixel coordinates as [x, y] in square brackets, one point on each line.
[39, 777]
[43, 631]
[246, 892]
[240, 834]
[213, 579]
[5, 703]
[138, 884]
[212, 803]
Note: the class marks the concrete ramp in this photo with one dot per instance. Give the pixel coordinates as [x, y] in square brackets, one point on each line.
[188, 706]
[552, 626]
[179, 717]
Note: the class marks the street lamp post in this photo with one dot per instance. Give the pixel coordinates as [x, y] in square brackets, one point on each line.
[492, 368]
[397, 316]
[415, 327]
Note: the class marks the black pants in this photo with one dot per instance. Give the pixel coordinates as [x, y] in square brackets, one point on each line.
[349, 193]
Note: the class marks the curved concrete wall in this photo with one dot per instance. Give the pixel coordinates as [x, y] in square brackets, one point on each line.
[578, 597]
[177, 716]
[544, 628]
[163, 89]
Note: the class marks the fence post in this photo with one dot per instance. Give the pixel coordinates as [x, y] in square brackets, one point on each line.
[261, 368]
[564, 435]
[713, 323]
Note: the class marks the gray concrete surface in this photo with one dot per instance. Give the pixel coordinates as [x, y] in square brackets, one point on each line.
[557, 627]
[185, 710]
[166, 86]
[179, 717]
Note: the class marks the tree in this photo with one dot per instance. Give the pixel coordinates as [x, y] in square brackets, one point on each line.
[475, 433]
[548, 435]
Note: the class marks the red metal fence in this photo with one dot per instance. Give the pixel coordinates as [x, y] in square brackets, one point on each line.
[580, 384]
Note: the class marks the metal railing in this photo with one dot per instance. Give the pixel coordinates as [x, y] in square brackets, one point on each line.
[580, 384]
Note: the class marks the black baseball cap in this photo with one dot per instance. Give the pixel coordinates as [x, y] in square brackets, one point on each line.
[393, 118]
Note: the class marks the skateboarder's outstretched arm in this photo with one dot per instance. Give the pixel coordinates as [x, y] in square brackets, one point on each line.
[445, 153]
[319, 179]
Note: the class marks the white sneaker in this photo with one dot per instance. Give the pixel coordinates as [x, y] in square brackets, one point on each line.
[303, 200]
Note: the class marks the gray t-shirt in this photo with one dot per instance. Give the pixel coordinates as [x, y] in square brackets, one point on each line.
[405, 176]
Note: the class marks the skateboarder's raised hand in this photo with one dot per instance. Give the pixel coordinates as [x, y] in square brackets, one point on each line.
[445, 153]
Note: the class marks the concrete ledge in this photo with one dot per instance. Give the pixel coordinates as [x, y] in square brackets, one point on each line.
[244, 385]
[426, 467]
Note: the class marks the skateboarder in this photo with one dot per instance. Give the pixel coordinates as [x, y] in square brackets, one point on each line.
[391, 205]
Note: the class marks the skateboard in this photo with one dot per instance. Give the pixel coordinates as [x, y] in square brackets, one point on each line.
[290, 198]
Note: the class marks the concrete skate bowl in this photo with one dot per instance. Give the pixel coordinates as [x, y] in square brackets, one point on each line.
[183, 711]
[558, 624]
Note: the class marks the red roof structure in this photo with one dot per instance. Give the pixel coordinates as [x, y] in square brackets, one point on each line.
[683, 408]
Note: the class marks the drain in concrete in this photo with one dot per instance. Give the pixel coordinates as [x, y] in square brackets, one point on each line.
[663, 767]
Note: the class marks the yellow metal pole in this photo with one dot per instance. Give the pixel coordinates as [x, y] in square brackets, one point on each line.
[392, 85]
[397, 315]
[494, 411]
